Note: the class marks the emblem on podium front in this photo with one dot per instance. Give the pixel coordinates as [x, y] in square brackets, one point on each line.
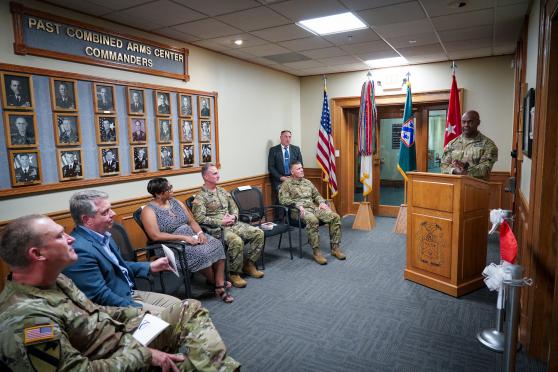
[430, 241]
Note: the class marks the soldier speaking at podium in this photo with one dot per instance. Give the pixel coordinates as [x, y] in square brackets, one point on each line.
[472, 153]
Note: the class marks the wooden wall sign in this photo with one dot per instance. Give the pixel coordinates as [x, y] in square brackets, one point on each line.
[47, 35]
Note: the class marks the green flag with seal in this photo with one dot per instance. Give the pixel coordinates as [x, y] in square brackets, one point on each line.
[407, 148]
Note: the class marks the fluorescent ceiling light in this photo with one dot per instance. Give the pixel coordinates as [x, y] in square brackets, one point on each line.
[386, 62]
[333, 24]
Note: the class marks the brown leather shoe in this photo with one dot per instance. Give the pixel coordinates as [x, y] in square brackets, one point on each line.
[250, 269]
[237, 281]
[318, 257]
[337, 253]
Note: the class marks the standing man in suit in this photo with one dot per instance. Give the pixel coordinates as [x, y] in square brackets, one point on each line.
[100, 271]
[280, 159]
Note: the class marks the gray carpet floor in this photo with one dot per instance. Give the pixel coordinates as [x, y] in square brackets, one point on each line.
[356, 315]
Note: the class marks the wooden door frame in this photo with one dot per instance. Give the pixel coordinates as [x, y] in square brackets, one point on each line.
[344, 202]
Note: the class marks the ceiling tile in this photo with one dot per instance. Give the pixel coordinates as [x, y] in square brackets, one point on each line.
[298, 10]
[378, 54]
[111, 4]
[471, 53]
[427, 58]
[367, 4]
[393, 14]
[84, 6]
[305, 44]
[144, 23]
[511, 13]
[507, 32]
[435, 8]
[228, 41]
[352, 37]
[453, 46]
[508, 48]
[421, 50]
[207, 28]
[455, 21]
[339, 60]
[265, 50]
[254, 19]
[406, 28]
[175, 34]
[317, 71]
[238, 54]
[216, 7]
[162, 12]
[511, 2]
[324, 53]
[480, 32]
[283, 33]
[366, 47]
[412, 40]
[304, 64]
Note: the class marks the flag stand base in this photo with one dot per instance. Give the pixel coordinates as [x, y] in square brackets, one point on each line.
[364, 219]
[401, 221]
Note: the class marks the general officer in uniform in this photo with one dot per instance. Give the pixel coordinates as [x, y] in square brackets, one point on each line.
[471, 153]
[213, 205]
[301, 194]
[47, 324]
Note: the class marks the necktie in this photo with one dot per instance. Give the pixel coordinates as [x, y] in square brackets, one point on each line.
[286, 160]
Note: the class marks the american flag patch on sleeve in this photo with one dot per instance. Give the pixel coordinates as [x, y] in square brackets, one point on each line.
[38, 333]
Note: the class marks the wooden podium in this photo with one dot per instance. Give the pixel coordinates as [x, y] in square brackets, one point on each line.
[447, 231]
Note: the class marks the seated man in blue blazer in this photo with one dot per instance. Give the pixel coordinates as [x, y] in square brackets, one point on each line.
[280, 159]
[100, 271]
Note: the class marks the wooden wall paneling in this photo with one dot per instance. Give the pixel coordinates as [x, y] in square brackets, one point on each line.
[498, 197]
[521, 229]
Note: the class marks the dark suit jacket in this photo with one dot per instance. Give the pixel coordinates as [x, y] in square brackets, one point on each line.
[24, 100]
[140, 137]
[136, 107]
[65, 103]
[75, 171]
[110, 168]
[31, 175]
[101, 280]
[275, 164]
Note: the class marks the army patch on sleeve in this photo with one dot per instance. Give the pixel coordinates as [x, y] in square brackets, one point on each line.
[42, 346]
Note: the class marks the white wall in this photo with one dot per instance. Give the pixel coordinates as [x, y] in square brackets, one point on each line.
[488, 84]
[255, 104]
[531, 80]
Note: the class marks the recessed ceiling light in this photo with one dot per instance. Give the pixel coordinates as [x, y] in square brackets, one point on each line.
[238, 42]
[386, 62]
[333, 24]
[412, 41]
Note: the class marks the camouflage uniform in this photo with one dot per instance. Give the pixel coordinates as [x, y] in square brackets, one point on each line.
[76, 334]
[480, 153]
[303, 193]
[210, 207]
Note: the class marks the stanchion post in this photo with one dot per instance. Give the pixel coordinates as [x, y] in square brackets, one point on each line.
[513, 289]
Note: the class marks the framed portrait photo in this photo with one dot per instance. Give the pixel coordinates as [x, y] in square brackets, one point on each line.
[139, 158]
[528, 120]
[162, 103]
[137, 130]
[204, 106]
[70, 164]
[17, 91]
[63, 95]
[21, 129]
[103, 97]
[164, 130]
[109, 161]
[184, 105]
[186, 130]
[187, 155]
[165, 156]
[106, 129]
[205, 131]
[205, 153]
[66, 129]
[25, 167]
[135, 101]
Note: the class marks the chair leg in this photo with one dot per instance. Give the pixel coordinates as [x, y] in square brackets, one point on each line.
[185, 274]
[262, 254]
[290, 243]
[280, 238]
[162, 283]
[300, 241]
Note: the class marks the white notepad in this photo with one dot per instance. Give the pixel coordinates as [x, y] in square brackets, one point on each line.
[149, 328]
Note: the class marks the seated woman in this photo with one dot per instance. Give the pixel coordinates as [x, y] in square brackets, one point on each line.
[165, 218]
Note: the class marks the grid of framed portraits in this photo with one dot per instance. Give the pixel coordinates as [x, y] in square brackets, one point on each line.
[111, 132]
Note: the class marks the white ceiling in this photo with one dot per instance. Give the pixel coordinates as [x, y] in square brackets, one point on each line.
[419, 30]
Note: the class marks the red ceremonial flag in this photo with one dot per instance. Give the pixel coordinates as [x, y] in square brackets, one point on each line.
[453, 122]
[508, 243]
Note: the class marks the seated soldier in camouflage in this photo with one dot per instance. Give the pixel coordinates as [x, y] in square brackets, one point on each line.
[471, 153]
[46, 323]
[213, 205]
[301, 194]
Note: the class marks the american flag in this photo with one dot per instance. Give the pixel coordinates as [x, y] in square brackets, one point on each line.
[326, 150]
[43, 332]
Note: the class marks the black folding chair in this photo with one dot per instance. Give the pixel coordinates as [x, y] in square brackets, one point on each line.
[177, 247]
[297, 222]
[253, 211]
